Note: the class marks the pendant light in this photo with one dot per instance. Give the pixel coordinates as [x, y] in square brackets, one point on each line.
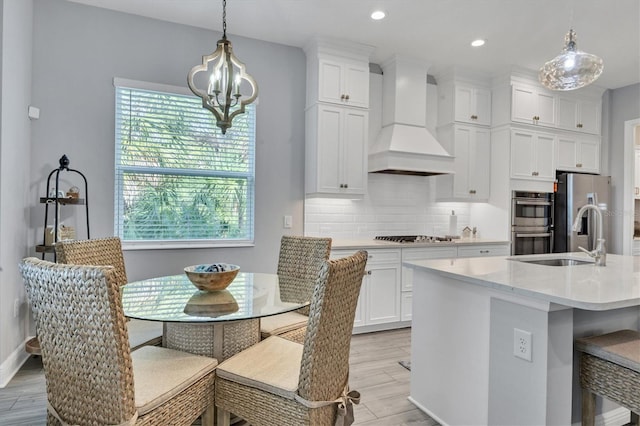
[226, 73]
[571, 69]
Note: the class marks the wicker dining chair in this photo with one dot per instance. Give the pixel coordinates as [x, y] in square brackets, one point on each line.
[299, 263]
[108, 252]
[88, 365]
[610, 367]
[277, 381]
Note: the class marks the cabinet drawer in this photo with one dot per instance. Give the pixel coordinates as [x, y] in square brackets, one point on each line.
[409, 254]
[479, 251]
[375, 255]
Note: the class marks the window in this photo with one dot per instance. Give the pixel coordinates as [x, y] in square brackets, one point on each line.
[177, 178]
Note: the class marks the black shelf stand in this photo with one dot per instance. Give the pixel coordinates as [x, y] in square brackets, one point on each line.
[58, 201]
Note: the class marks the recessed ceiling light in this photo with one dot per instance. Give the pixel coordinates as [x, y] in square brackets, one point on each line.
[378, 15]
[477, 43]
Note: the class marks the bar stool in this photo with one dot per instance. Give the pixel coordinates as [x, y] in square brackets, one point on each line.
[610, 367]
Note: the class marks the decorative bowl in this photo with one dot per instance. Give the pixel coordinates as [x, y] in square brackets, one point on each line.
[211, 304]
[212, 277]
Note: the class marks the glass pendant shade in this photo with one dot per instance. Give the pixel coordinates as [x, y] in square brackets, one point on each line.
[225, 76]
[571, 69]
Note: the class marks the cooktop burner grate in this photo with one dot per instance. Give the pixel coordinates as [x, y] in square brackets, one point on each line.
[412, 238]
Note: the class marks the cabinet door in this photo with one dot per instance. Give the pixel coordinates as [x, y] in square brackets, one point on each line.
[523, 104]
[567, 113]
[637, 174]
[360, 308]
[354, 151]
[356, 79]
[589, 116]
[567, 153]
[406, 308]
[329, 146]
[463, 104]
[544, 155]
[479, 165]
[330, 81]
[486, 250]
[589, 154]
[383, 294]
[522, 149]
[462, 150]
[532, 106]
[483, 106]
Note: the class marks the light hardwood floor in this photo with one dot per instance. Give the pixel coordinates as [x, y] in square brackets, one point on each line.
[375, 373]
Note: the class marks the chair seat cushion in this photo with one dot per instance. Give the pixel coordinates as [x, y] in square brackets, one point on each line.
[281, 323]
[160, 373]
[273, 365]
[143, 333]
[620, 347]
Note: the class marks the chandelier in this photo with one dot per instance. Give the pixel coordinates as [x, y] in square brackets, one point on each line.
[571, 69]
[225, 76]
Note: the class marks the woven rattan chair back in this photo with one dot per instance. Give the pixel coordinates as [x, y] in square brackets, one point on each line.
[299, 263]
[325, 360]
[82, 333]
[96, 252]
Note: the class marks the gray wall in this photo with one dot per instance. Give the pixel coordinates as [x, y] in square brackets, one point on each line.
[78, 50]
[15, 141]
[624, 105]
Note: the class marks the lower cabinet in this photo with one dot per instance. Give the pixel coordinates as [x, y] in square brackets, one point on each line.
[379, 300]
[385, 300]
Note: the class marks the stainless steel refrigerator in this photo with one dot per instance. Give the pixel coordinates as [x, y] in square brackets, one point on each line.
[574, 191]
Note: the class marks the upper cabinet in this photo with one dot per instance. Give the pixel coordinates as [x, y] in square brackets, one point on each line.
[532, 105]
[578, 153]
[337, 118]
[532, 155]
[581, 115]
[464, 103]
[343, 82]
[338, 73]
[471, 146]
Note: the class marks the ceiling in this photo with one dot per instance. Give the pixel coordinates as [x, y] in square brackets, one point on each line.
[523, 33]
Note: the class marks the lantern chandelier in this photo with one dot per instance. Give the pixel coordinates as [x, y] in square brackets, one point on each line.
[226, 72]
[571, 69]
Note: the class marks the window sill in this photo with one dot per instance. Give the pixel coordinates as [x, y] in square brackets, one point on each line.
[193, 244]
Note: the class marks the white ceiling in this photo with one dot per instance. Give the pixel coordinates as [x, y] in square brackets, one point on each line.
[524, 33]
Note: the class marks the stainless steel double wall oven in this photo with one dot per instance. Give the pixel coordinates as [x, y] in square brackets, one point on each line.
[532, 222]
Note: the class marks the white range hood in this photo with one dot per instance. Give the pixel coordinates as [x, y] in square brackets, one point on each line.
[404, 145]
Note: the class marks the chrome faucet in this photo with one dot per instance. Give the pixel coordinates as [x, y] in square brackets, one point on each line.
[600, 252]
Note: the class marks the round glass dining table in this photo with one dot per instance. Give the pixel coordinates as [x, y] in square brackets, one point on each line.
[218, 324]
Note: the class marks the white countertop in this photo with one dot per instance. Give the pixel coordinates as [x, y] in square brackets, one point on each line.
[356, 244]
[589, 287]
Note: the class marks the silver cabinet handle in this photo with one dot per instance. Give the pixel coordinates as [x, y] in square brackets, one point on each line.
[484, 251]
[545, 234]
[579, 165]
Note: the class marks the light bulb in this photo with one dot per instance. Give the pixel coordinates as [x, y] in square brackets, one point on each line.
[378, 15]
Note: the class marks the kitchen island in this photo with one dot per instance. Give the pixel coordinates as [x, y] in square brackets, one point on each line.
[492, 338]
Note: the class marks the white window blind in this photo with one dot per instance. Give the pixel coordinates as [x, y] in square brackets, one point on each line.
[178, 179]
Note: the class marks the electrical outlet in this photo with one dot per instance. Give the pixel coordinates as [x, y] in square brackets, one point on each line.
[522, 344]
[16, 308]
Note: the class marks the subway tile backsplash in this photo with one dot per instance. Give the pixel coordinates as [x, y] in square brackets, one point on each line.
[393, 205]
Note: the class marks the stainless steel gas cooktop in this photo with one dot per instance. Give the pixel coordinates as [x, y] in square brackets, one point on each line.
[413, 238]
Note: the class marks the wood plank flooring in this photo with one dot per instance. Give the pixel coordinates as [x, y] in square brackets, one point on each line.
[375, 373]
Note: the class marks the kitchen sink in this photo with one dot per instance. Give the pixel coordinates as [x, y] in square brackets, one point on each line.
[556, 262]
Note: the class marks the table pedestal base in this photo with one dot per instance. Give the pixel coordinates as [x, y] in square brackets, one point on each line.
[220, 340]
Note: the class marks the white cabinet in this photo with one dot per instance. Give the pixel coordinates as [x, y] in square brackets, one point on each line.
[471, 147]
[379, 301]
[532, 155]
[532, 105]
[637, 174]
[419, 253]
[343, 82]
[472, 105]
[336, 144]
[581, 115]
[579, 153]
[484, 250]
[463, 103]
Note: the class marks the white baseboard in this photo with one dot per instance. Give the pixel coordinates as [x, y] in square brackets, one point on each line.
[12, 364]
[617, 417]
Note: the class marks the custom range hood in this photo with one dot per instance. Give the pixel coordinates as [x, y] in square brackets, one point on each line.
[404, 145]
